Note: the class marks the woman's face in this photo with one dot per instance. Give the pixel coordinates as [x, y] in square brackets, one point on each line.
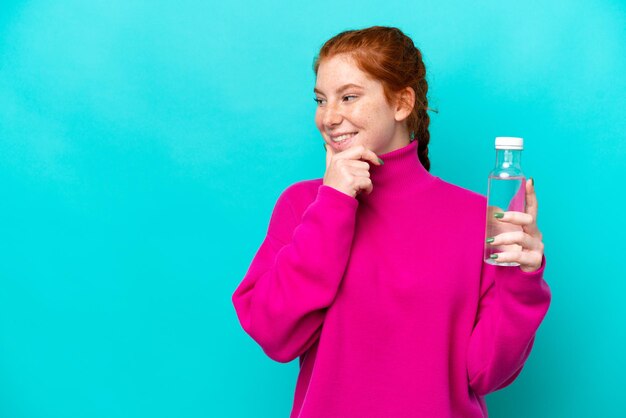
[352, 109]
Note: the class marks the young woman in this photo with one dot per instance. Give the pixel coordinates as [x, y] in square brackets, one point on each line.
[374, 275]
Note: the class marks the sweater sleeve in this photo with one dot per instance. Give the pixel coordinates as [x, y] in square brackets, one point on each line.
[294, 276]
[512, 305]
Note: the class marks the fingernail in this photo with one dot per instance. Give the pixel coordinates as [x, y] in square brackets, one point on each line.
[490, 239]
[498, 215]
[493, 256]
[532, 180]
[380, 161]
[324, 143]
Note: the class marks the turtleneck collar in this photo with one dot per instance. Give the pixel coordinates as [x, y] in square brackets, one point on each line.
[401, 173]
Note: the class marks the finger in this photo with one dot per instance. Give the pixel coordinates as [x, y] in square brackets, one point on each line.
[365, 185]
[516, 237]
[514, 217]
[528, 260]
[491, 210]
[360, 152]
[357, 164]
[531, 205]
[360, 171]
[330, 152]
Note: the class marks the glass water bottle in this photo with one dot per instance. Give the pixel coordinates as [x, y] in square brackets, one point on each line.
[506, 192]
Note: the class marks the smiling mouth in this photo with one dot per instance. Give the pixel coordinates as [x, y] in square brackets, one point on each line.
[343, 138]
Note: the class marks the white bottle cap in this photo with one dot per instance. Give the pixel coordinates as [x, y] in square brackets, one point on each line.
[509, 142]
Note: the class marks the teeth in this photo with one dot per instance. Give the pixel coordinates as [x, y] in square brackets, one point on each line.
[343, 137]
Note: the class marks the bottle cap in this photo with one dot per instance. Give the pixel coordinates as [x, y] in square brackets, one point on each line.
[509, 142]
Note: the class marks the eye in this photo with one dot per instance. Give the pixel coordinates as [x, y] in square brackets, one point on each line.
[349, 98]
[319, 101]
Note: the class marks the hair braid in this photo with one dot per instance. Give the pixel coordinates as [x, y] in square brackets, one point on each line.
[422, 132]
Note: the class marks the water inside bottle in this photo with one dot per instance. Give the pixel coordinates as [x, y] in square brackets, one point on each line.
[505, 194]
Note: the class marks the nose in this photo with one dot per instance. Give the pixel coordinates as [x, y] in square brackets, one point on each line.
[332, 116]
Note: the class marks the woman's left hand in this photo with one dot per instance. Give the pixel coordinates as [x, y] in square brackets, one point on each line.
[529, 238]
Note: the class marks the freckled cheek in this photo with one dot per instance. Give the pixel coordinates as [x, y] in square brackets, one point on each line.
[367, 116]
[361, 116]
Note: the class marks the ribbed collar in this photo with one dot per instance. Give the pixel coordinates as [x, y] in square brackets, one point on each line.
[402, 173]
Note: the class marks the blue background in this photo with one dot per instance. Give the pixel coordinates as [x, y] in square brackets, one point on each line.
[143, 145]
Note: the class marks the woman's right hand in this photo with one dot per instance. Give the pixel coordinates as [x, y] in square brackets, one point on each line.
[346, 172]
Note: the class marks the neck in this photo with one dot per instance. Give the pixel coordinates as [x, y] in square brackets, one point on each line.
[401, 173]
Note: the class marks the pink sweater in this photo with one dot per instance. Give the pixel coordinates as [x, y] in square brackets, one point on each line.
[386, 300]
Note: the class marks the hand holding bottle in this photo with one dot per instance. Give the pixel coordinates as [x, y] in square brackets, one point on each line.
[529, 237]
[348, 170]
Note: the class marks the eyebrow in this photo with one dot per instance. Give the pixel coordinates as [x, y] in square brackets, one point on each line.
[342, 88]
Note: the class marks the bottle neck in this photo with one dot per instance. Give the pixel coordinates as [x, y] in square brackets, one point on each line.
[509, 158]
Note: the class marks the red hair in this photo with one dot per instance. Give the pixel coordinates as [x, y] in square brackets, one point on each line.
[389, 56]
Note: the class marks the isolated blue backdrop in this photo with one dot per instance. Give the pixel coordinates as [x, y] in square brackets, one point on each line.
[143, 145]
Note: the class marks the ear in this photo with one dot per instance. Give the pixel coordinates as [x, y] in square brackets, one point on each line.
[405, 101]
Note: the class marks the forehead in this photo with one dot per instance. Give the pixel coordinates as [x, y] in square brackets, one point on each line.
[338, 70]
